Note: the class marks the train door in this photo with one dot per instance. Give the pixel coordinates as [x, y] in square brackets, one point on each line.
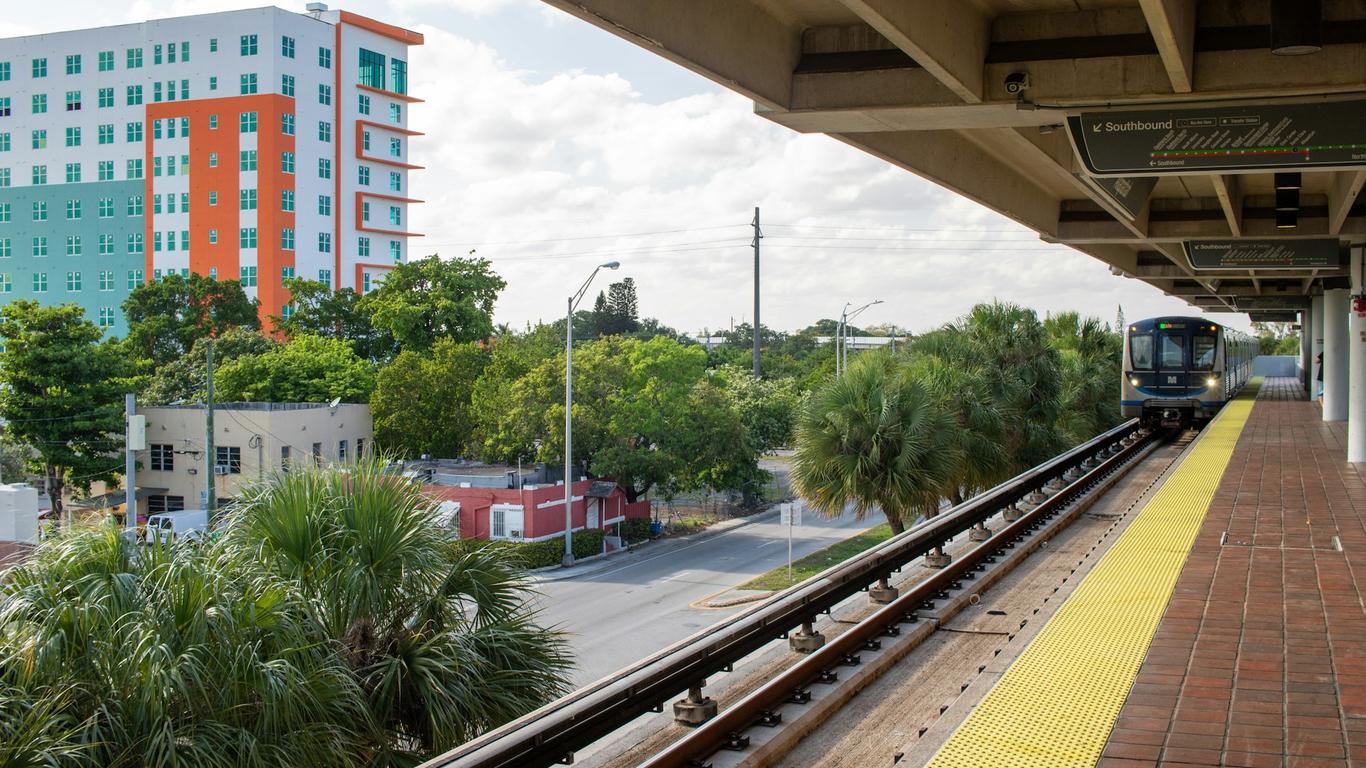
[1170, 362]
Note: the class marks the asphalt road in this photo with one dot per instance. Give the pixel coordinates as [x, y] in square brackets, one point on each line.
[640, 602]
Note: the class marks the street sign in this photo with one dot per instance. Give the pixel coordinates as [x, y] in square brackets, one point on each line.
[1305, 253]
[790, 513]
[1255, 303]
[1221, 138]
[1129, 193]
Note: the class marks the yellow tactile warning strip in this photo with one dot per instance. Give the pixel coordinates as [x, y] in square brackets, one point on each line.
[1055, 706]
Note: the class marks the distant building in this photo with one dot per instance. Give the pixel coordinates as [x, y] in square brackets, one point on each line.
[536, 512]
[251, 440]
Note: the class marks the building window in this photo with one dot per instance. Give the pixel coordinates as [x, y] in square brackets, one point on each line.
[229, 456]
[156, 54]
[395, 113]
[247, 237]
[106, 98]
[324, 130]
[106, 276]
[73, 173]
[136, 245]
[246, 122]
[106, 317]
[158, 503]
[325, 277]
[107, 249]
[106, 61]
[398, 76]
[371, 70]
[247, 199]
[395, 216]
[395, 147]
[365, 140]
[39, 174]
[363, 104]
[135, 169]
[213, 45]
[248, 84]
[396, 250]
[40, 211]
[134, 58]
[287, 162]
[341, 450]
[287, 85]
[163, 457]
[324, 205]
[213, 271]
[134, 95]
[324, 168]
[365, 283]
[184, 90]
[248, 45]
[106, 133]
[325, 58]
[135, 205]
[134, 278]
[40, 282]
[287, 47]
[287, 200]
[6, 213]
[365, 211]
[73, 64]
[284, 458]
[287, 244]
[247, 160]
[73, 136]
[73, 210]
[73, 248]
[213, 197]
[40, 246]
[39, 102]
[213, 122]
[6, 283]
[325, 95]
[5, 109]
[395, 181]
[6, 248]
[4, 71]
[363, 247]
[106, 208]
[213, 239]
[156, 92]
[287, 124]
[286, 273]
[324, 242]
[4, 177]
[213, 159]
[39, 138]
[133, 132]
[247, 276]
[106, 170]
[39, 68]
[363, 175]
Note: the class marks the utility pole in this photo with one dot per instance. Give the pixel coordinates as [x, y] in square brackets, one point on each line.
[210, 482]
[758, 235]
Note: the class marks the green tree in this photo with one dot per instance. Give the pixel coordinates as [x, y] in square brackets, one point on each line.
[331, 624]
[166, 316]
[421, 404]
[1089, 358]
[309, 369]
[503, 432]
[767, 407]
[433, 298]
[623, 309]
[61, 392]
[876, 439]
[318, 310]
[183, 380]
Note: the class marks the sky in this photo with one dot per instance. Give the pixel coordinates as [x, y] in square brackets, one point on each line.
[551, 146]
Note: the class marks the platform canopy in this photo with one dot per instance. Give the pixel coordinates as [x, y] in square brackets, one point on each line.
[1213, 149]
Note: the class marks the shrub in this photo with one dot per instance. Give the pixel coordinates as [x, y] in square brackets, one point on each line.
[542, 554]
[635, 530]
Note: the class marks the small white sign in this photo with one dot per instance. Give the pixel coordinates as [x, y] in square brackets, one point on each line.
[790, 513]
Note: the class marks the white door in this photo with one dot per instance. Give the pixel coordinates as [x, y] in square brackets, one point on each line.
[593, 509]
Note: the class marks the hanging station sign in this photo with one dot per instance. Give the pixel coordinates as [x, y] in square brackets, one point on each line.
[1262, 136]
[1303, 253]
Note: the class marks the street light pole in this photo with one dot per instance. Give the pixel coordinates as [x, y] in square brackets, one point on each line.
[569, 412]
[846, 334]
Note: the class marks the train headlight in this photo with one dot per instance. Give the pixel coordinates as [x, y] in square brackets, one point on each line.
[1211, 382]
[1134, 381]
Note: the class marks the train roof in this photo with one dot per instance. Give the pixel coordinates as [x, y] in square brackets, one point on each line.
[1151, 323]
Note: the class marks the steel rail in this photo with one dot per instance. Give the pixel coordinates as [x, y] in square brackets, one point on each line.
[553, 733]
[725, 731]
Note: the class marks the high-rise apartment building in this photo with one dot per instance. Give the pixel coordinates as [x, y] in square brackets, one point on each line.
[255, 145]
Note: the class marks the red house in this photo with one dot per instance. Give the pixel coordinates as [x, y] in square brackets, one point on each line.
[536, 513]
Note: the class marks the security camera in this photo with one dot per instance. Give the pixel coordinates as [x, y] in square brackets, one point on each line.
[1017, 82]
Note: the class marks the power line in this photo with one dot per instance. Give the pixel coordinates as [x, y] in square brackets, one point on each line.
[894, 227]
[591, 237]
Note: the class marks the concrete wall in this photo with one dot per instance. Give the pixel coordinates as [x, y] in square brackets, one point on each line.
[1276, 365]
[266, 435]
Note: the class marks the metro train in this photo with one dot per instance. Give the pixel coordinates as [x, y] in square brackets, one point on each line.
[1181, 370]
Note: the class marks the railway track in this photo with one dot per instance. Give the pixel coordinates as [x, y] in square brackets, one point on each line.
[1034, 504]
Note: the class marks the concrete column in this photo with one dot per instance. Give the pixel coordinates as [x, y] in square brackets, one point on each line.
[1356, 392]
[1335, 307]
[1316, 343]
[1305, 373]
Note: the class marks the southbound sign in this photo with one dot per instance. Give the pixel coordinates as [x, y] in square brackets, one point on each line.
[1307, 253]
[1263, 136]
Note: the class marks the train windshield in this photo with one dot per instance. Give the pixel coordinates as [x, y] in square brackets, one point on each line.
[1202, 351]
[1141, 350]
[1171, 351]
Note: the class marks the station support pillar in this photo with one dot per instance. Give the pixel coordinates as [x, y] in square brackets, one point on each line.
[1305, 373]
[1336, 304]
[1315, 346]
[1356, 361]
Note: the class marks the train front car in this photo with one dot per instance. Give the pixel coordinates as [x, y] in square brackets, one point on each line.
[1181, 370]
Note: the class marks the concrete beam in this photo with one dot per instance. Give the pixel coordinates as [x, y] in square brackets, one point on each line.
[947, 37]
[950, 160]
[1230, 193]
[1342, 193]
[735, 44]
[1166, 231]
[1172, 23]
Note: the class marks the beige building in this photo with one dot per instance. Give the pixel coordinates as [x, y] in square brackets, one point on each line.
[251, 440]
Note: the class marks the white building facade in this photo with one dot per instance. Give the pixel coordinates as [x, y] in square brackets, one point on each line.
[253, 145]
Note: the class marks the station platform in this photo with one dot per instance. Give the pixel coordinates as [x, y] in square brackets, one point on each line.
[1225, 627]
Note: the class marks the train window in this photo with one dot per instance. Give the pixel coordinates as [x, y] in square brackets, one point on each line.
[1202, 351]
[1141, 350]
[1171, 351]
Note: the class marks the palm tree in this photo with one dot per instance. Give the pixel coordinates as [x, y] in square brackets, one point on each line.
[1089, 367]
[331, 624]
[877, 439]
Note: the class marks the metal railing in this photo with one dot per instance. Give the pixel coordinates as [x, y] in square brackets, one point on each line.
[554, 732]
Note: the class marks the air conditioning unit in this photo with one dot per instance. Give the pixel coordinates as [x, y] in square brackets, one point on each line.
[220, 469]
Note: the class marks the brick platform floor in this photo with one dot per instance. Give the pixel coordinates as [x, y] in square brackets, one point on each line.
[1260, 659]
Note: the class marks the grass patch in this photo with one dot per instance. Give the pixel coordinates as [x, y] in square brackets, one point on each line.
[819, 560]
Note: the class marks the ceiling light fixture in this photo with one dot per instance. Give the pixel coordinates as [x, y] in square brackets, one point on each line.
[1287, 219]
[1296, 27]
[1287, 181]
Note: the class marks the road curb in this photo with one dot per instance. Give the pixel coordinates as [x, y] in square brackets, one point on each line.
[721, 601]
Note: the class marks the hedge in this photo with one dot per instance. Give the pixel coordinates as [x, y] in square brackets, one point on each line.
[635, 530]
[542, 554]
